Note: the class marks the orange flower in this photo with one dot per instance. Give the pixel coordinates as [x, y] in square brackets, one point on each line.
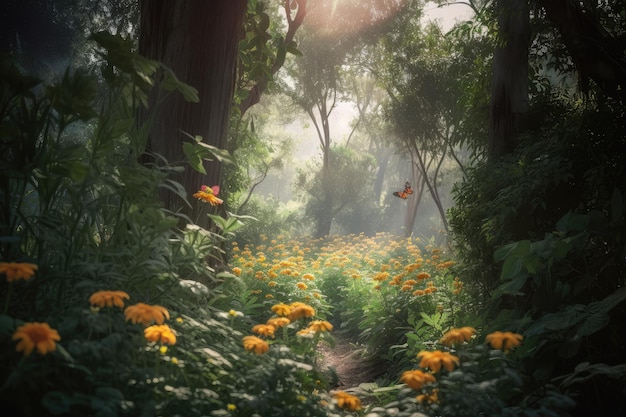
[416, 379]
[301, 311]
[456, 336]
[255, 344]
[108, 298]
[278, 322]
[36, 336]
[347, 401]
[423, 275]
[161, 333]
[428, 398]
[281, 309]
[504, 340]
[301, 285]
[17, 270]
[145, 314]
[237, 271]
[320, 326]
[266, 330]
[209, 195]
[436, 359]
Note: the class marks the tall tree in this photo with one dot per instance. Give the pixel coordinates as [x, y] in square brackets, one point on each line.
[199, 41]
[509, 93]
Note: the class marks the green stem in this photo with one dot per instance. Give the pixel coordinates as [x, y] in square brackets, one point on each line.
[8, 299]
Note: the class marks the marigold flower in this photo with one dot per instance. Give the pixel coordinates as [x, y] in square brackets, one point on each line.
[255, 344]
[416, 379]
[456, 336]
[278, 322]
[160, 333]
[264, 330]
[504, 340]
[17, 270]
[36, 336]
[423, 275]
[209, 195]
[320, 326]
[144, 314]
[281, 309]
[347, 401]
[428, 398]
[108, 298]
[309, 277]
[436, 359]
[301, 311]
[302, 285]
[237, 271]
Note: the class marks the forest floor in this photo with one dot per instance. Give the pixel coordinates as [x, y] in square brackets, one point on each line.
[346, 366]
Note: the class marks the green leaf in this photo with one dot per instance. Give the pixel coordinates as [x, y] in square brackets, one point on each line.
[592, 324]
[572, 222]
[171, 83]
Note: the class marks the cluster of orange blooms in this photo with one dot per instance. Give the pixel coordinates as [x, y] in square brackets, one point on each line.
[140, 313]
[356, 256]
[433, 361]
[40, 337]
[285, 314]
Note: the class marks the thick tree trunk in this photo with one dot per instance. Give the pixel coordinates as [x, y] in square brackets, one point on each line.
[596, 54]
[509, 97]
[198, 40]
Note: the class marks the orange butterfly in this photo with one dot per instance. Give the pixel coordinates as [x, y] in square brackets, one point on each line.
[404, 194]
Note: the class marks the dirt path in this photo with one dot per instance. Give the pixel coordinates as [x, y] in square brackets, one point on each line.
[346, 366]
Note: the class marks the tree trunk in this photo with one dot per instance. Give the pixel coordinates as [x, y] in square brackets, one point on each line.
[198, 40]
[509, 96]
[596, 54]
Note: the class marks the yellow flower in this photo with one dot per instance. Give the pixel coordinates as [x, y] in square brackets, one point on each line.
[160, 333]
[237, 271]
[272, 284]
[436, 359]
[301, 285]
[255, 344]
[504, 340]
[278, 322]
[108, 298]
[281, 309]
[347, 401]
[264, 330]
[416, 379]
[456, 336]
[309, 277]
[36, 336]
[145, 314]
[209, 195]
[17, 270]
[320, 326]
[231, 407]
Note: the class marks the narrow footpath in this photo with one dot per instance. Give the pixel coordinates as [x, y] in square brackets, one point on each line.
[346, 366]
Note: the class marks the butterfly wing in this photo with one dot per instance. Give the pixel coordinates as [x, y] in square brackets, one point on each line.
[407, 188]
[400, 194]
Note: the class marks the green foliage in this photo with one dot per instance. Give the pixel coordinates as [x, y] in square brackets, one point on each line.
[329, 191]
[78, 204]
